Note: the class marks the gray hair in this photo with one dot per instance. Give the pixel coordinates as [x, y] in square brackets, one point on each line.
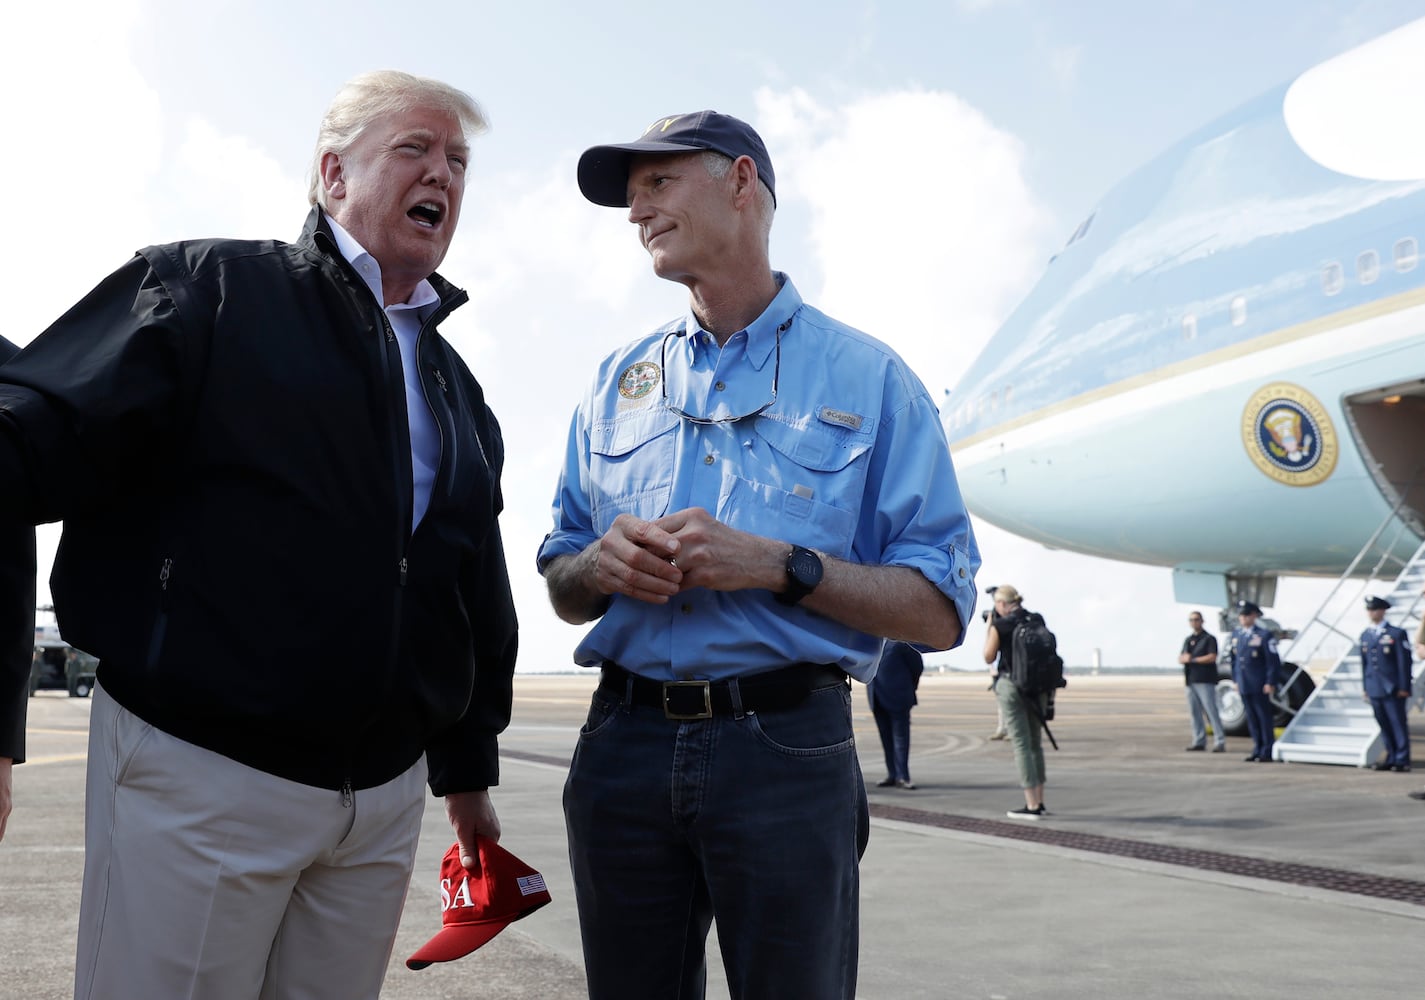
[717, 165]
[365, 98]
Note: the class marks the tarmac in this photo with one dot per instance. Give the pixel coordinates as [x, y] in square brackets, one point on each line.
[1159, 873]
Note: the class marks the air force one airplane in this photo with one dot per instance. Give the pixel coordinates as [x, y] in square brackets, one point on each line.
[1223, 371]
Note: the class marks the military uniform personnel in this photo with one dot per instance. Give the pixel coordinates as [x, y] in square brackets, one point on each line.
[1385, 683]
[1256, 670]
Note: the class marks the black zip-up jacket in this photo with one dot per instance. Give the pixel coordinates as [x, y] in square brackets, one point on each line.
[222, 427]
[17, 623]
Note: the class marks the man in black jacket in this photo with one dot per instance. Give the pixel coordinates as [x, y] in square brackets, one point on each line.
[17, 640]
[288, 562]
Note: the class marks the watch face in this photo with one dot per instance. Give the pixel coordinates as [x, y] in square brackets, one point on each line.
[804, 566]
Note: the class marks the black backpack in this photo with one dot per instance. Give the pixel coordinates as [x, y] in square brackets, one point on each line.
[1035, 665]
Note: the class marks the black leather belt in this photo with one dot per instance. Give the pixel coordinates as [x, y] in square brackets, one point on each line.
[764, 692]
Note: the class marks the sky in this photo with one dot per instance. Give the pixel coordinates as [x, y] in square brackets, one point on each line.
[930, 156]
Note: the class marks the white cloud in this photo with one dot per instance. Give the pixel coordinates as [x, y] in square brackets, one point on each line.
[83, 134]
[235, 187]
[922, 223]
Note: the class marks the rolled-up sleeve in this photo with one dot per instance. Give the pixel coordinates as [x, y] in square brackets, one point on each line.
[914, 514]
[573, 509]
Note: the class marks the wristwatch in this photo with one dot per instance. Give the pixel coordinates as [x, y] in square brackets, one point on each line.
[803, 574]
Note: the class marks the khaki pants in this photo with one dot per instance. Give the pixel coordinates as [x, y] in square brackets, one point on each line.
[1025, 732]
[206, 879]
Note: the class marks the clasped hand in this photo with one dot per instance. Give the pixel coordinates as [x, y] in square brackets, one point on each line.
[654, 560]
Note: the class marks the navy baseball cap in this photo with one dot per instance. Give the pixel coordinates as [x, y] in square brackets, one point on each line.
[1374, 603]
[603, 170]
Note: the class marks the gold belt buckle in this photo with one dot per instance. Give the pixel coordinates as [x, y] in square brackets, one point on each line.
[704, 713]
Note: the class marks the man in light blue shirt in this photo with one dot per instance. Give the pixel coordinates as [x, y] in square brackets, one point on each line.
[754, 498]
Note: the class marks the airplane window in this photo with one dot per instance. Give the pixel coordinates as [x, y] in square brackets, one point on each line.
[1189, 327]
[1007, 390]
[1239, 310]
[1333, 278]
[1368, 267]
[1406, 253]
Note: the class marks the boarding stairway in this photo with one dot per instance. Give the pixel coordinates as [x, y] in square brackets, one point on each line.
[1336, 725]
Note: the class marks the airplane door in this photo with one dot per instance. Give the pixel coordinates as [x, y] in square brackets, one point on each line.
[1388, 424]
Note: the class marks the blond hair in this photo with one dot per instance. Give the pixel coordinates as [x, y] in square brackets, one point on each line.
[367, 97]
[1008, 594]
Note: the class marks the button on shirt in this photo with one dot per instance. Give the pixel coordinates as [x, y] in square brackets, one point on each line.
[406, 319]
[850, 460]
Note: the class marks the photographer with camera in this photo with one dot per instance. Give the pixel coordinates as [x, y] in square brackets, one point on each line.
[987, 616]
[1021, 718]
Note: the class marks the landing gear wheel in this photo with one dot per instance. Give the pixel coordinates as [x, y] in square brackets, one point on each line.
[1231, 710]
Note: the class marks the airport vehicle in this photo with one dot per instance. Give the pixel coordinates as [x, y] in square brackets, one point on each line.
[1254, 299]
[58, 665]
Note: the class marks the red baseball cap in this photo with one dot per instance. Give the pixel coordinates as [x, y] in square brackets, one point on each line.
[477, 905]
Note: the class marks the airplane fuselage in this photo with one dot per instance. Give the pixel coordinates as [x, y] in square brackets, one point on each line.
[1223, 371]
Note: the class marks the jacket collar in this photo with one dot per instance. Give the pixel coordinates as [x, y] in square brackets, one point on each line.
[317, 234]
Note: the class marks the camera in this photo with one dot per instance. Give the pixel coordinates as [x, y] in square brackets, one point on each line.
[988, 615]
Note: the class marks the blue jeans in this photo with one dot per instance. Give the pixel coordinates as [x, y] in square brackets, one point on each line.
[757, 820]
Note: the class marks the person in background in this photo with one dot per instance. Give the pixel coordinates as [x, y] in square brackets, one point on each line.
[1386, 683]
[288, 561]
[1199, 660]
[754, 497]
[1420, 639]
[1256, 667]
[1022, 715]
[891, 693]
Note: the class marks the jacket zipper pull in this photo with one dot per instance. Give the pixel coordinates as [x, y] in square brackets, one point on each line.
[440, 380]
[403, 571]
[164, 574]
[346, 793]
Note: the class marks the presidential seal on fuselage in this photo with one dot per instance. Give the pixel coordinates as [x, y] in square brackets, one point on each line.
[1288, 435]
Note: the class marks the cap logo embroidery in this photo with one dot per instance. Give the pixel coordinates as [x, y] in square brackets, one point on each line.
[461, 897]
[662, 125]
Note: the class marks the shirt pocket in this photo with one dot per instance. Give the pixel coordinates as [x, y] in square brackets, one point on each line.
[802, 485]
[631, 465]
